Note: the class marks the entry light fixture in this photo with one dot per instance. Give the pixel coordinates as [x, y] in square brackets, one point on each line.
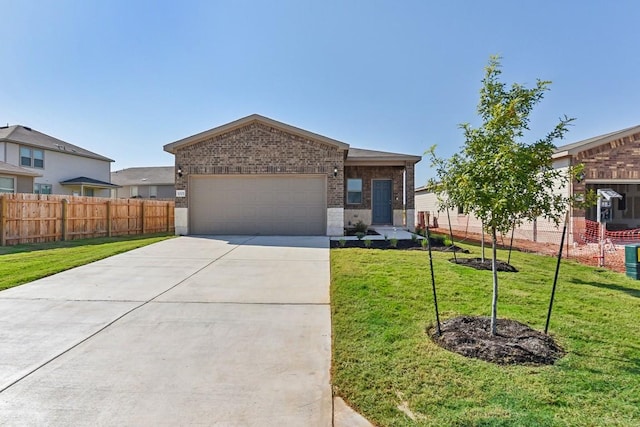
[179, 171]
[335, 171]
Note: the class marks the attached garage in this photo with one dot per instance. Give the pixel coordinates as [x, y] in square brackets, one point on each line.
[258, 204]
[259, 176]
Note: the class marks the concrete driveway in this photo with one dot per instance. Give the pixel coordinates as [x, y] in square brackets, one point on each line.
[231, 331]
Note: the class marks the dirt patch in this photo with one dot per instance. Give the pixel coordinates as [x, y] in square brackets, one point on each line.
[405, 244]
[515, 343]
[352, 232]
[479, 264]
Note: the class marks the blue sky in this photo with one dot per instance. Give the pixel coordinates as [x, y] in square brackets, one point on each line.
[123, 78]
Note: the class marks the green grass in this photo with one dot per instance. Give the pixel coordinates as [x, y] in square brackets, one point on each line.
[24, 263]
[382, 304]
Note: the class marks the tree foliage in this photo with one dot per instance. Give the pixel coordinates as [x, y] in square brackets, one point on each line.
[498, 176]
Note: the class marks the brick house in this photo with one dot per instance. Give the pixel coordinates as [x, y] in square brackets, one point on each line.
[610, 161]
[259, 176]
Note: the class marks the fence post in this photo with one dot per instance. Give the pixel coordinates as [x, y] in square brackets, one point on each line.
[168, 217]
[108, 218]
[3, 220]
[143, 218]
[65, 202]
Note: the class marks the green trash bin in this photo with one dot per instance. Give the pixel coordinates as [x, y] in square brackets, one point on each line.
[631, 261]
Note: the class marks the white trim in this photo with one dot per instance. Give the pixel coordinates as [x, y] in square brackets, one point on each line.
[15, 184]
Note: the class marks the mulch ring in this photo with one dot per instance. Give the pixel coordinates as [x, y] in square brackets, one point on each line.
[478, 264]
[404, 244]
[514, 344]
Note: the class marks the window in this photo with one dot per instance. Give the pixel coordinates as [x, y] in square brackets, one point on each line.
[7, 185]
[31, 157]
[354, 191]
[153, 191]
[42, 188]
[88, 192]
[134, 191]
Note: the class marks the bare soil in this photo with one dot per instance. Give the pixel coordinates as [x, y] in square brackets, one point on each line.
[479, 264]
[514, 344]
[405, 244]
[588, 254]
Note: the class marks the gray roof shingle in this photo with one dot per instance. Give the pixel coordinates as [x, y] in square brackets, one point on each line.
[155, 175]
[586, 144]
[16, 170]
[27, 136]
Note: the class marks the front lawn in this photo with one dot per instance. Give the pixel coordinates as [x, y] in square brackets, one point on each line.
[25, 263]
[387, 368]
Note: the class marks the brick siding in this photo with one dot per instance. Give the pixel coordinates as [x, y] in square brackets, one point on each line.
[618, 159]
[369, 173]
[261, 149]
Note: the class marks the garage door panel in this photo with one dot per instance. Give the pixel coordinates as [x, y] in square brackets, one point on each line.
[287, 205]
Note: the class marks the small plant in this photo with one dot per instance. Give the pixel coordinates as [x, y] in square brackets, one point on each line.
[419, 230]
[342, 242]
[367, 243]
[394, 243]
[424, 243]
[386, 237]
[414, 237]
[360, 235]
[360, 227]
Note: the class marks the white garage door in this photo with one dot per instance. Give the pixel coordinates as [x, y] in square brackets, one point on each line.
[258, 204]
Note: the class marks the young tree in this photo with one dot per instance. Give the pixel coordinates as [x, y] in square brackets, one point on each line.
[497, 176]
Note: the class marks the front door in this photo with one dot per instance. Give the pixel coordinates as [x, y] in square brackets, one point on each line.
[382, 212]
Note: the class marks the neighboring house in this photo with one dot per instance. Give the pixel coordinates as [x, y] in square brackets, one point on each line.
[48, 165]
[259, 176]
[610, 161]
[158, 182]
[14, 179]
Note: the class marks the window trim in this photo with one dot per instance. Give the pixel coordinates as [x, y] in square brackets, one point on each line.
[13, 178]
[153, 191]
[32, 156]
[355, 191]
[37, 188]
[131, 191]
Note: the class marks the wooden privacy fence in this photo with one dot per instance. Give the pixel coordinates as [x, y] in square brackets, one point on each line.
[35, 218]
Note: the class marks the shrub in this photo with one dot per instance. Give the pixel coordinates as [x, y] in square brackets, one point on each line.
[394, 243]
[414, 237]
[424, 243]
[360, 227]
[367, 243]
[342, 242]
[360, 235]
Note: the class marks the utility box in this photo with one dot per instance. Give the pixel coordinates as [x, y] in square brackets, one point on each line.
[631, 257]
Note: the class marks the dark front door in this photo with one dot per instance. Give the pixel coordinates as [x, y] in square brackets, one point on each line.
[381, 202]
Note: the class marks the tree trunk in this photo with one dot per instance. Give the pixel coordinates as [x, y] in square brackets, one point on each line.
[482, 241]
[494, 269]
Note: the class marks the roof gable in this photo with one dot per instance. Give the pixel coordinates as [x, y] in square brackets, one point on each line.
[254, 118]
[590, 143]
[25, 135]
